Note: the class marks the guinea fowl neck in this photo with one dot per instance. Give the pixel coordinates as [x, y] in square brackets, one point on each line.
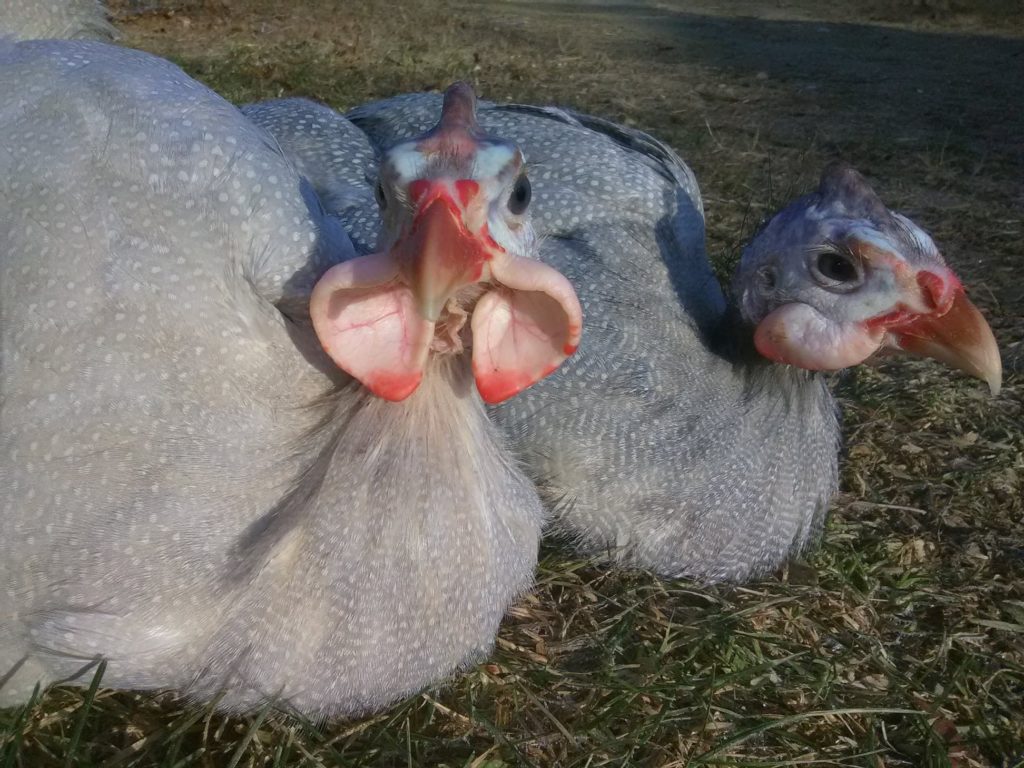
[733, 340]
[399, 550]
[444, 409]
[436, 445]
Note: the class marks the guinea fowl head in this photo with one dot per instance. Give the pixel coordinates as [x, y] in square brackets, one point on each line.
[455, 241]
[836, 276]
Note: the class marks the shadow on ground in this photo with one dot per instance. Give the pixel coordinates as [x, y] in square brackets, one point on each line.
[909, 84]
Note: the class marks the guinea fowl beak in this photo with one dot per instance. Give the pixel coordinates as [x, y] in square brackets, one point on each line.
[945, 326]
[442, 253]
[958, 337]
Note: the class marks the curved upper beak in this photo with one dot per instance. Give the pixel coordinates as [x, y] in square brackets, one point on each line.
[958, 337]
[441, 254]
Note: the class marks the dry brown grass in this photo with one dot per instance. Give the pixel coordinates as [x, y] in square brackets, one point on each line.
[901, 641]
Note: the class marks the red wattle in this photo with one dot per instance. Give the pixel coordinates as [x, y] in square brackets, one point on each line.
[393, 386]
[498, 386]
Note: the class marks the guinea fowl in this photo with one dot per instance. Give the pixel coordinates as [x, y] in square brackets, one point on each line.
[674, 440]
[192, 490]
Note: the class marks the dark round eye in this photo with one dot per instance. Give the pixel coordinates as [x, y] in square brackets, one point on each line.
[378, 192]
[837, 267]
[519, 200]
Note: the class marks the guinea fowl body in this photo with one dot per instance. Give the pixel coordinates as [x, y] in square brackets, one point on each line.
[666, 442]
[193, 491]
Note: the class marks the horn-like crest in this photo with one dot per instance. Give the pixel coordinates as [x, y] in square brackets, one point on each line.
[459, 108]
[842, 183]
[457, 133]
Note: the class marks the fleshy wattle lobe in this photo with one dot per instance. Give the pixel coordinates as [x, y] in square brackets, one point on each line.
[799, 335]
[498, 386]
[392, 386]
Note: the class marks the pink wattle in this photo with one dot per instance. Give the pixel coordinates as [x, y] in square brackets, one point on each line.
[799, 335]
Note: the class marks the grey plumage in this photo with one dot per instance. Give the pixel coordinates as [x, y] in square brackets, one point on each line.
[667, 442]
[654, 444]
[192, 490]
[332, 153]
[55, 19]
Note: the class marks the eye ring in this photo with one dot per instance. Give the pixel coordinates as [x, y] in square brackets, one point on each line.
[378, 193]
[522, 192]
[836, 270]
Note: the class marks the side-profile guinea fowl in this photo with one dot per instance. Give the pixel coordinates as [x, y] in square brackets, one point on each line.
[193, 490]
[674, 440]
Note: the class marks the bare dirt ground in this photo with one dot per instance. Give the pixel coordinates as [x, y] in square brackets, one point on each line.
[901, 641]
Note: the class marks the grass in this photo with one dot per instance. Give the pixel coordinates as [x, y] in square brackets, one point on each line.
[900, 642]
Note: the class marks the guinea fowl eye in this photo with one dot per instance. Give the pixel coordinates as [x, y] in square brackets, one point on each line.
[837, 267]
[378, 192]
[520, 197]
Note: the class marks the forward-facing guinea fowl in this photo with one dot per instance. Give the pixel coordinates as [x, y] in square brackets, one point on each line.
[672, 441]
[192, 490]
